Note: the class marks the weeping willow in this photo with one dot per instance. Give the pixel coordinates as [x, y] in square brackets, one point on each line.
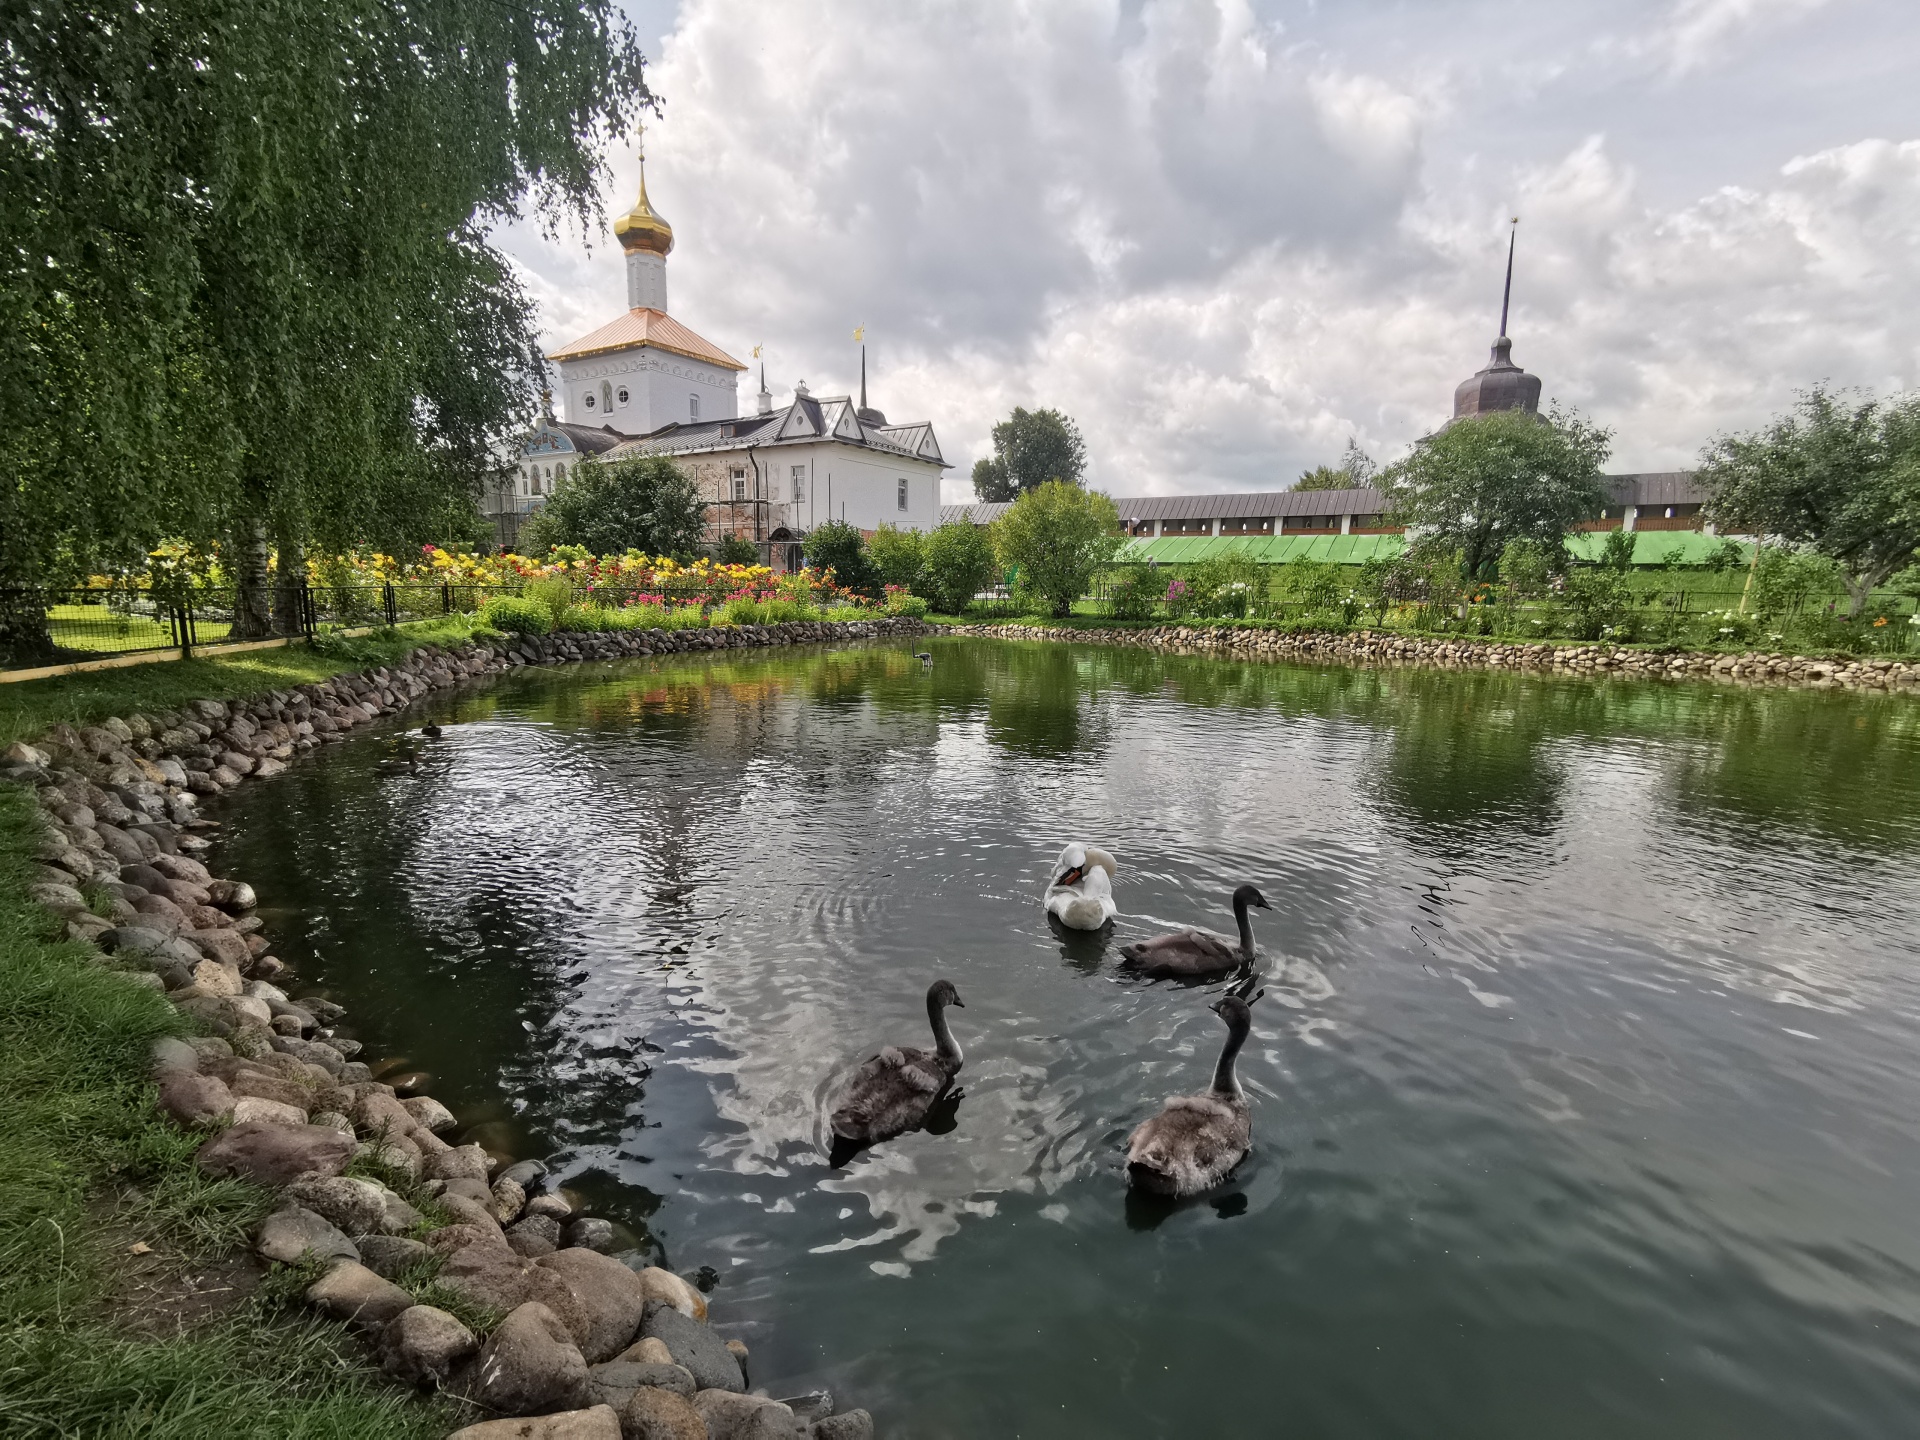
[247, 292]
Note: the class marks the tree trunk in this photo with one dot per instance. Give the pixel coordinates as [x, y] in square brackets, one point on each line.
[1860, 585]
[252, 597]
[289, 584]
[24, 637]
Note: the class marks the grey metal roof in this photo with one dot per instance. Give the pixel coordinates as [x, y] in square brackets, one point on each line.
[1657, 487]
[1251, 504]
[981, 512]
[806, 420]
[1666, 487]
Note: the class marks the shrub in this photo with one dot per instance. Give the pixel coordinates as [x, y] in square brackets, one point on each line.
[581, 620]
[1616, 552]
[1132, 594]
[555, 592]
[838, 547]
[648, 504]
[897, 556]
[956, 563]
[1597, 605]
[735, 550]
[514, 616]
[904, 602]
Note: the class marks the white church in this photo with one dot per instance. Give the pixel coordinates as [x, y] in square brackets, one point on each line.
[645, 384]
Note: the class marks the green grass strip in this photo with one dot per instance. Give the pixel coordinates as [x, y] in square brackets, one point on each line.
[86, 1164]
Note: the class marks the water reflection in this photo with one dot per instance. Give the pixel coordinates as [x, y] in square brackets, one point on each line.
[1584, 1058]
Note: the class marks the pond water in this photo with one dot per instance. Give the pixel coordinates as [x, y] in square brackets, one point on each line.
[1584, 1088]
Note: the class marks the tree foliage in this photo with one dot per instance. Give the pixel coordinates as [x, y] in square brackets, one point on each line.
[1030, 447]
[957, 563]
[1490, 479]
[1839, 476]
[1056, 537]
[897, 556]
[245, 288]
[839, 547]
[647, 504]
[1356, 469]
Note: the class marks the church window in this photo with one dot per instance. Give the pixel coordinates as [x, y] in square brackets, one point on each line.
[606, 395]
[902, 496]
[693, 407]
[589, 400]
[739, 482]
[623, 395]
[559, 474]
[799, 474]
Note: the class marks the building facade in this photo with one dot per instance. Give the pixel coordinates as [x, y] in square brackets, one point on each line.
[646, 384]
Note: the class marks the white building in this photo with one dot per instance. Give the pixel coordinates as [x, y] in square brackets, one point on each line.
[645, 384]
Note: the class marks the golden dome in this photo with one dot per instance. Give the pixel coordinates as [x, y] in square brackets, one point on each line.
[643, 228]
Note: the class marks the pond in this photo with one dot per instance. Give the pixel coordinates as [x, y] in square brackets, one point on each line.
[1584, 1087]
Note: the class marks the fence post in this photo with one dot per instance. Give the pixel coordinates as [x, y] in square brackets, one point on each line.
[393, 609]
[446, 597]
[308, 627]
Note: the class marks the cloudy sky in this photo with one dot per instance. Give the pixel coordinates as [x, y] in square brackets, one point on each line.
[1227, 236]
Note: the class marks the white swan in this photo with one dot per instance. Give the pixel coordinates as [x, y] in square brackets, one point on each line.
[1081, 894]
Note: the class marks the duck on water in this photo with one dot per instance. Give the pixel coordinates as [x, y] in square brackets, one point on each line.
[1196, 952]
[892, 1093]
[1195, 1141]
[1080, 895]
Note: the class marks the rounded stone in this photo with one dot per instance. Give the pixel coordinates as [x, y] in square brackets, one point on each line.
[422, 1344]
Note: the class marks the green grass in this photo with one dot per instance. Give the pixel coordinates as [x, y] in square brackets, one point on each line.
[86, 1163]
[30, 706]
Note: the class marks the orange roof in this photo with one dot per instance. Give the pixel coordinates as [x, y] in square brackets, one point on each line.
[648, 327]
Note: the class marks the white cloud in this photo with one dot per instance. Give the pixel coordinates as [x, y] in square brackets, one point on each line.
[1224, 245]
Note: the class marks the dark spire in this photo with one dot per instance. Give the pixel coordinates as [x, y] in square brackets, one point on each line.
[1507, 294]
[1503, 385]
[868, 415]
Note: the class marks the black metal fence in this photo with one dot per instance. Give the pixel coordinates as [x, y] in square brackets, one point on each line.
[96, 624]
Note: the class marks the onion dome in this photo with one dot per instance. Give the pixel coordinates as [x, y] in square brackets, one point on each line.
[1503, 385]
[643, 228]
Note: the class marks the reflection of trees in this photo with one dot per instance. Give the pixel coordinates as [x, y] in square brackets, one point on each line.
[1466, 756]
[1037, 694]
[1847, 766]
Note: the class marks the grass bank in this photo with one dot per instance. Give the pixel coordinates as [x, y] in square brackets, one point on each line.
[117, 1317]
[31, 706]
[93, 1331]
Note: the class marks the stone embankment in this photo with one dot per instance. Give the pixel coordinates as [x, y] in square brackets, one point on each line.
[588, 1345]
[1380, 647]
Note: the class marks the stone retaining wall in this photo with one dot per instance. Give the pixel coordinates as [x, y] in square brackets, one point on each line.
[592, 1346]
[1379, 647]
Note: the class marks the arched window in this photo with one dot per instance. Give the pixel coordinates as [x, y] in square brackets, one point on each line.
[606, 395]
[559, 474]
[693, 407]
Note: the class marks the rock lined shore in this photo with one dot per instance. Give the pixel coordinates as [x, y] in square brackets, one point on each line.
[587, 1345]
[1379, 647]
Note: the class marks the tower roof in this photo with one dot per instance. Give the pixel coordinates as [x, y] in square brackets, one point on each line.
[1503, 385]
[647, 327]
[643, 227]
